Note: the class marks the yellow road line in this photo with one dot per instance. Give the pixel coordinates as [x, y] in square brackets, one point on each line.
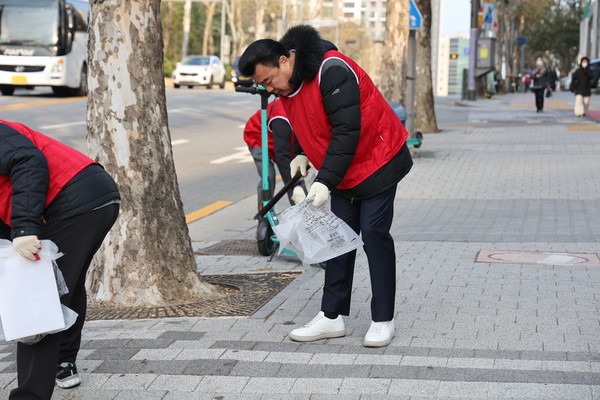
[209, 209]
[40, 103]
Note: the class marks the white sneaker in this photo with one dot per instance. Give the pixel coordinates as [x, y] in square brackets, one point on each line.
[380, 334]
[320, 327]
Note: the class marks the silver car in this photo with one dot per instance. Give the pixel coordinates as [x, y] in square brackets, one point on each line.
[199, 71]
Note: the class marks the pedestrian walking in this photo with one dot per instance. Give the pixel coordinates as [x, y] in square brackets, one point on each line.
[51, 191]
[349, 132]
[581, 85]
[280, 144]
[540, 82]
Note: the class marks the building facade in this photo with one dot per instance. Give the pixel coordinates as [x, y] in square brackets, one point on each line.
[589, 31]
[458, 61]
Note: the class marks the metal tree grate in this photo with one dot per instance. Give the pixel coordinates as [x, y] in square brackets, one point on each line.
[241, 295]
[231, 248]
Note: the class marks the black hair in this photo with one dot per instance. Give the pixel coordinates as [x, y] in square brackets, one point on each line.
[584, 58]
[263, 51]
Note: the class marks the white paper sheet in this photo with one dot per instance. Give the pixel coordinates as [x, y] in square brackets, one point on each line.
[29, 302]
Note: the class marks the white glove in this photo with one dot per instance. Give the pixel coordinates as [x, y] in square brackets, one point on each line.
[28, 246]
[298, 195]
[299, 163]
[319, 193]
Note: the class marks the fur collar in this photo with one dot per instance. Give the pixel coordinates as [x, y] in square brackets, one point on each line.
[310, 49]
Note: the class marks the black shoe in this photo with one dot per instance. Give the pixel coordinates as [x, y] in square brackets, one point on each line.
[66, 376]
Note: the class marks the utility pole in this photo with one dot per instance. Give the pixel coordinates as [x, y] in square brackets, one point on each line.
[471, 88]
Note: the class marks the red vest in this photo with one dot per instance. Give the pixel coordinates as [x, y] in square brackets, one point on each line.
[381, 134]
[253, 130]
[64, 163]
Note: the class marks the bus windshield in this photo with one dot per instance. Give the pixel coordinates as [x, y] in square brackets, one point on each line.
[29, 24]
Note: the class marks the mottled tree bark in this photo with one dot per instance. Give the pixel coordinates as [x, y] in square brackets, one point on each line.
[393, 69]
[147, 259]
[425, 120]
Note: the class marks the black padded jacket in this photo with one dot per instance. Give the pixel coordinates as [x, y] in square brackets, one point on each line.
[27, 168]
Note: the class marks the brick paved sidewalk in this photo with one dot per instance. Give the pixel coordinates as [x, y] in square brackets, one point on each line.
[504, 184]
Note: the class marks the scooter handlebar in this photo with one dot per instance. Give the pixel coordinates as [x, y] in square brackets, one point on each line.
[244, 89]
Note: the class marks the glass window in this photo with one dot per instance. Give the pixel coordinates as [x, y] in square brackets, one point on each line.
[194, 60]
[29, 24]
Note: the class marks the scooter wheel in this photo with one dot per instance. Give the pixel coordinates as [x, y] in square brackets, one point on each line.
[419, 137]
[264, 237]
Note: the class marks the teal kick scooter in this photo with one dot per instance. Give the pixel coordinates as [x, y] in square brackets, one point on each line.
[267, 241]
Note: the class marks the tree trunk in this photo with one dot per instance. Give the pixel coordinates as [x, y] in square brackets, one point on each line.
[259, 17]
[425, 120]
[147, 258]
[230, 8]
[393, 68]
[169, 21]
[240, 38]
[210, 13]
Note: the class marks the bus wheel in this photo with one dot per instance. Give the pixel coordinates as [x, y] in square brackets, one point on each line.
[7, 90]
[82, 90]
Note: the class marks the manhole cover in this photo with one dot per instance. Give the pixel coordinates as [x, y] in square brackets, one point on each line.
[231, 248]
[538, 257]
[242, 295]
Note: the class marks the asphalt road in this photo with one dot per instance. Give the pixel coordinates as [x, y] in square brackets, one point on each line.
[206, 126]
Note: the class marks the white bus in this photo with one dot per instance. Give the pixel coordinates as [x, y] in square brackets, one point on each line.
[44, 43]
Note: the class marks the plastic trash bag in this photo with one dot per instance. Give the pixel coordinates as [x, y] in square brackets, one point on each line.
[69, 315]
[22, 295]
[315, 234]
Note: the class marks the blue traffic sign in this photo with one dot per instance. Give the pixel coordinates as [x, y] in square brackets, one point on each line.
[416, 19]
[521, 40]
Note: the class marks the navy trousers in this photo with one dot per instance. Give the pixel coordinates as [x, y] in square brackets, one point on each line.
[539, 98]
[79, 238]
[373, 219]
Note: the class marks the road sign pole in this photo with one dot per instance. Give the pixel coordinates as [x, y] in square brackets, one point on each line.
[472, 87]
[410, 82]
[415, 23]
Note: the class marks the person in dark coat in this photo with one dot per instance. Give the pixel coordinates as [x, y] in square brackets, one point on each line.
[540, 83]
[581, 85]
[349, 132]
[51, 191]
[552, 78]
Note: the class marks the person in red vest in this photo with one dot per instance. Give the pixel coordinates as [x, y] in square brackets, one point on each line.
[350, 133]
[51, 191]
[280, 144]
